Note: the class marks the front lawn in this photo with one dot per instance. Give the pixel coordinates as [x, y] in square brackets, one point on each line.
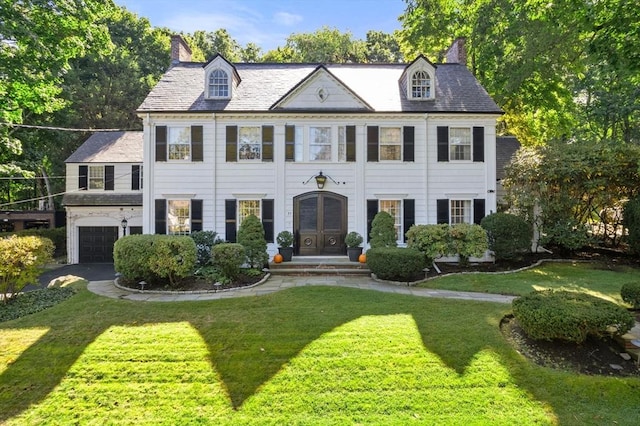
[311, 355]
[592, 278]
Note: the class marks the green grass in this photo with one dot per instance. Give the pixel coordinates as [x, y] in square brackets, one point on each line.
[590, 278]
[309, 355]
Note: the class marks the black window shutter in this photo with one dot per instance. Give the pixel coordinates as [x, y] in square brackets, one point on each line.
[372, 210]
[267, 143]
[232, 141]
[83, 177]
[372, 143]
[408, 143]
[443, 143]
[197, 144]
[409, 216]
[267, 220]
[109, 177]
[161, 216]
[478, 144]
[161, 143]
[230, 220]
[196, 215]
[478, 210]
[443, 211]
[351, 143]
[135, 177]
[290, 143]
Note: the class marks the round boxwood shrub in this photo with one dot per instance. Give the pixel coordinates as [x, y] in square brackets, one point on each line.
[228, 258]
[630, 293]
[131, 256]
[570, 316]
[509, 235]
[395, 263]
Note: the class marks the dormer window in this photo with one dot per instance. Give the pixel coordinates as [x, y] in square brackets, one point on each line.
[218, 84]
[420, 85]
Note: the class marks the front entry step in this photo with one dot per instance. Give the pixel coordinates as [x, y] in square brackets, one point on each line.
[319, 265]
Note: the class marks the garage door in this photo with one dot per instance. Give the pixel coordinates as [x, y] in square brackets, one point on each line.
[96, 243]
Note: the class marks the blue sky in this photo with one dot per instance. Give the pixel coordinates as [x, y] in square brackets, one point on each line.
[269, 23]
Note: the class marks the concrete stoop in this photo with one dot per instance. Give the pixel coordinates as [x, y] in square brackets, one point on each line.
[319, 265]
[631, 342]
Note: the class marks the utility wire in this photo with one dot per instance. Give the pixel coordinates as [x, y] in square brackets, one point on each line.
[66, 129]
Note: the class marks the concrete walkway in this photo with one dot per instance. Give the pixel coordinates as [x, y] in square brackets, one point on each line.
[277, 283]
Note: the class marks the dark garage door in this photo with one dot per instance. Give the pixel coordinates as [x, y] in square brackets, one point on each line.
[96, 243]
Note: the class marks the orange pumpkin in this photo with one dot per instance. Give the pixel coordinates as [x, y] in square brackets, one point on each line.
[362, 258]
[277, 258]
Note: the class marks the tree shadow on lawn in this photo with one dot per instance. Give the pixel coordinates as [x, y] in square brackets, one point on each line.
[242, 346]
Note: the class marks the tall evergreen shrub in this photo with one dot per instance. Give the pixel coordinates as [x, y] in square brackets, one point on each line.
[383, 231]
[251, 237]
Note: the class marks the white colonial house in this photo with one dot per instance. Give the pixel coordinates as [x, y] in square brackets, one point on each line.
[316, 149]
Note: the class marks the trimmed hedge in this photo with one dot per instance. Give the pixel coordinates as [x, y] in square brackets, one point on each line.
[153, 257]
[630, 293]
[570, 316]
[432, 240]
[228, 258]
[509, 235]
[396, 263]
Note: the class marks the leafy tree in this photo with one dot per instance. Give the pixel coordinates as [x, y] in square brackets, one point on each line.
[218, 41]
[250, 53]
[21, 261]
[382, 47]
[631, 220]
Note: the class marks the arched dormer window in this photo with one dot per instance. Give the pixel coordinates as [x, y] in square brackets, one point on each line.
[218, 84]
[420, 85]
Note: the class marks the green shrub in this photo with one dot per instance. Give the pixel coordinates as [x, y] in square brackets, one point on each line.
[21, 261]
[153, 257]
[57, 235]
[353, 239]
[383, 231]
[251, 236]
[228, 259]
[205, 240]
[284, 239]
[468, 240]
[567, 235]
[508, 235]
[396, 263]
[131, 255]
[630, 293]
[430, 240]
[631, 221]
[173, 257]
[570, 316]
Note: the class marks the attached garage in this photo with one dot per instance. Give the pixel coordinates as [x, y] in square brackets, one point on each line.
[96, 243]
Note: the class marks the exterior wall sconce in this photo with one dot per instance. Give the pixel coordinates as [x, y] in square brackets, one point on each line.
[124, 224]
[321, 179]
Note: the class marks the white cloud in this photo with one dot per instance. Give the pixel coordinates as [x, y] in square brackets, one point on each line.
[286, 18]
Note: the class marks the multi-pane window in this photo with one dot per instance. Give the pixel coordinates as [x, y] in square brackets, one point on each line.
[178, 217]
[249, 143]
[420, 85]
[320, 144]
[459, 143]
[460, 211]
[394, 208]
[342, 143]
[179, 143]
[218, 84]
[96, 177]
[390, 143]
[247, 208]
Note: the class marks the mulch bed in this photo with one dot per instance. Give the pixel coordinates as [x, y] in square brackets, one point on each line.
[195, 284]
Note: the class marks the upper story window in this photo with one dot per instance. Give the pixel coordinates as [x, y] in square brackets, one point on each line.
[460, 143]
[218, 84]
[320, 144]
[96, 177]
[420, 85]
[179, 143]
[390, 144]
[250, 143]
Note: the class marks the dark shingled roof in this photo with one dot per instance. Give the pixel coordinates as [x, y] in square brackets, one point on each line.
[109, 147]
[379, 85]
[506, 147]
[102, 199]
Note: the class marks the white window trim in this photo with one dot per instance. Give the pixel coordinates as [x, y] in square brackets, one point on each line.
[400, 144]
[178, 160]
[400, 202]
[452, 160]
[188, 220]
[208, 95]
[238, 144]
[470, 215]
[103, 178]
[432, 86]
[239, 201]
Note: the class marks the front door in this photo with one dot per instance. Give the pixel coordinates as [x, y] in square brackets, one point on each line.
[320, 223]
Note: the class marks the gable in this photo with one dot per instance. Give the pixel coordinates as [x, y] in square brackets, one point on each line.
[321, 90]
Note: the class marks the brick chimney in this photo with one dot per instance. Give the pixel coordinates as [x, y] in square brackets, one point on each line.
[457, 53]
[180, 51]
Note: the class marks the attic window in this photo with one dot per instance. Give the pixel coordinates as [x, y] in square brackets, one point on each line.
[218, 84]
[420, 85]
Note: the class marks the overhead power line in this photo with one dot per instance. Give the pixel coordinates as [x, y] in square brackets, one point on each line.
[66, 129]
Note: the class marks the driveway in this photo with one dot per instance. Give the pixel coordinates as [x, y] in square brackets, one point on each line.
[88, 271]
